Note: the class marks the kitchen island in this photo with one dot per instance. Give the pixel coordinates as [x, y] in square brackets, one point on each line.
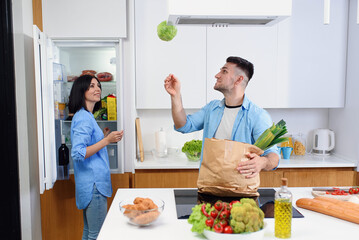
[313, 226]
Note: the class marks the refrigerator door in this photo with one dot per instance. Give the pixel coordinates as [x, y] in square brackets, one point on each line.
[44, 110]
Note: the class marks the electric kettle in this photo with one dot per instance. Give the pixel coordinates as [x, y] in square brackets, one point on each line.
[323, 141]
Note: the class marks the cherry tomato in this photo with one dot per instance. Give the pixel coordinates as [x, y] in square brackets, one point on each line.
[356, 190]
[218, 205]
[209, 222]
[214, 213]
[203, 208]
[223, 223]
[218, 228]
[337, 191]
[228, 229]
[226, 206]
[224, 214]
[233, 202]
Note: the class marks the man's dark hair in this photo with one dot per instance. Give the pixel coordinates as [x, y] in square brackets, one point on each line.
[243, 64]
[77, 94]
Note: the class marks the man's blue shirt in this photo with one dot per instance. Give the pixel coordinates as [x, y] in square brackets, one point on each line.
[92, 170]
[250, 123]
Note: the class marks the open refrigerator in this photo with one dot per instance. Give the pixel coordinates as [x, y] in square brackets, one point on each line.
[57, 64]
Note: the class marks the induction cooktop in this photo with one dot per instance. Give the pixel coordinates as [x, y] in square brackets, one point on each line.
[186, 199]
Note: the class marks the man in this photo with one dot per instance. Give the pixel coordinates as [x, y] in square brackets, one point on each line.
[235, 117]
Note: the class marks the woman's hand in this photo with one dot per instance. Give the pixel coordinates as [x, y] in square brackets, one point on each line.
[114, 136]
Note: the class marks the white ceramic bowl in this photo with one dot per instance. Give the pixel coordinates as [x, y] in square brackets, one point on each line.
[236, 236]
[141, 217]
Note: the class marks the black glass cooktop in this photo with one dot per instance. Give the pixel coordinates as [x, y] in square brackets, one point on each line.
[186, 199]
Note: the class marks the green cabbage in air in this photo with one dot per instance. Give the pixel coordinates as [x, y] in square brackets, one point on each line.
[166, 32]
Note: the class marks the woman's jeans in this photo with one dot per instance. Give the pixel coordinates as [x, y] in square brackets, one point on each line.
[94, 215]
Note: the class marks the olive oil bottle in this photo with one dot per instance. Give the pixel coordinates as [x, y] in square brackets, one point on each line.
[283, 211]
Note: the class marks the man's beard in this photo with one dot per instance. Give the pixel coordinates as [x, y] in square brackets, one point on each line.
[220, 88]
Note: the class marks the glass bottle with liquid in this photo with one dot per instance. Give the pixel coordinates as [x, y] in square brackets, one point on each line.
[283, 211]
[63, 160]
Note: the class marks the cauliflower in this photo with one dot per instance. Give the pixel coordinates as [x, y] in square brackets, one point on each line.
[246, 216]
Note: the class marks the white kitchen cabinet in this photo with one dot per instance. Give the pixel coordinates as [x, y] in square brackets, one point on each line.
[184, 56]
[86, 19]
[312, 56]
[256, 44]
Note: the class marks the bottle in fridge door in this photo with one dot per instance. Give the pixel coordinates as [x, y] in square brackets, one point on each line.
[63, 168]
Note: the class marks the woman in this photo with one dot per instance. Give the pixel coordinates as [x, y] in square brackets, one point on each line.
[89, 154]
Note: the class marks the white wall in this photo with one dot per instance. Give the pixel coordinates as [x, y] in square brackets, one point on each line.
[298, 121]
[154, 120]
[26, 120]
[345, 121]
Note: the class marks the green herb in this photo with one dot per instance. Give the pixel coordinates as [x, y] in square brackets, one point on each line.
[272, 136]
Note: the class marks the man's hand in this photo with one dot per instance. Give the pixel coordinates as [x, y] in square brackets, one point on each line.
[172, 85]
[255, 164]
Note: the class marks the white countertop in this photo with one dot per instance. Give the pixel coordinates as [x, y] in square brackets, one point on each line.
[178, 160]
[313, 226]
[175, 160]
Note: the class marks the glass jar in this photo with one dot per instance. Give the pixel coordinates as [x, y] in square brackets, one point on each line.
[299, 144]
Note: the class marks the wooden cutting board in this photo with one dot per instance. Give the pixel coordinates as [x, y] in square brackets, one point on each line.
[139, 139]
[339, 197]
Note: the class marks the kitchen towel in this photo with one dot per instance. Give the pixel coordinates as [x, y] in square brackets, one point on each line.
[218, 174]
[161, 146]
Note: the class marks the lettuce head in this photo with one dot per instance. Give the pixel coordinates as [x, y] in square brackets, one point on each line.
[166, 32]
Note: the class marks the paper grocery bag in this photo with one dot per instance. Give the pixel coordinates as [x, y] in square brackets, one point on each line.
[218, 174]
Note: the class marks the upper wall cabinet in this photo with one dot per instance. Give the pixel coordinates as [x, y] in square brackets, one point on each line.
[312, 56]
[88, 19]
[184, 56]
[256, 44]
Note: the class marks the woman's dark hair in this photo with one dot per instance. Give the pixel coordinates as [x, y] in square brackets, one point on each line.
[243, 64]
[77, 94]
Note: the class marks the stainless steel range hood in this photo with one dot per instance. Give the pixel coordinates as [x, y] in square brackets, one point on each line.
[228, 12]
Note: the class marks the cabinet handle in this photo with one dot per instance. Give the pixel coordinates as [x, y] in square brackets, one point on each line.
[357, 11]
[326, 11]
